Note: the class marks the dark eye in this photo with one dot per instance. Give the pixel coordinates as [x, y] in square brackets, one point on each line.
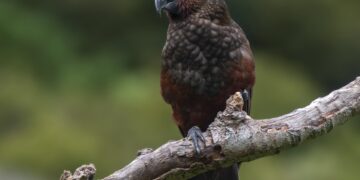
[172, 7]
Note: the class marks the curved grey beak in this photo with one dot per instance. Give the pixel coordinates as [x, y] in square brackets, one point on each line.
[159, 5]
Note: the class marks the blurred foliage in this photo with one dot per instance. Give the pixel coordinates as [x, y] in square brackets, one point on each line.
[79, 83]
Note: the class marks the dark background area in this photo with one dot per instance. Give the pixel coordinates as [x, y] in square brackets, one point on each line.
[79, 83]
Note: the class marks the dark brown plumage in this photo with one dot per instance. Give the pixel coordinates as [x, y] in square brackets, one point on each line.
[206, 58]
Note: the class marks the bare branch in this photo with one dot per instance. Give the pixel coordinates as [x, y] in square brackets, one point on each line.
[236, 137]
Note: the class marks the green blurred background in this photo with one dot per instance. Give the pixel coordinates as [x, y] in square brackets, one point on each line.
[79, 83]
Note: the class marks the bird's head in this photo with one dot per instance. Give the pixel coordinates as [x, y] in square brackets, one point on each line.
[179, 9]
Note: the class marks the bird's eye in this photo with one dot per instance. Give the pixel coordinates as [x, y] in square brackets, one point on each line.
[172, 7]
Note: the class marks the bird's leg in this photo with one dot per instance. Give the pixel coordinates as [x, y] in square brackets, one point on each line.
[246, 98]
[245, 95]
[196, 136]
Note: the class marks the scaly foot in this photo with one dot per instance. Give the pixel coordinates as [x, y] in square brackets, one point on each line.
[196, 136]
[246, 98]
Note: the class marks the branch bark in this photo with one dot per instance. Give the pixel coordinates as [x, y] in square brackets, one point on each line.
[236, 137]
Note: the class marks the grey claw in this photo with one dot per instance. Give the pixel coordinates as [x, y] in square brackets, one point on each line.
[245, 95]
[196, 136]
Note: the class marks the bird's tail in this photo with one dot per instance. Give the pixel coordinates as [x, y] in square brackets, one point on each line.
[229, 173]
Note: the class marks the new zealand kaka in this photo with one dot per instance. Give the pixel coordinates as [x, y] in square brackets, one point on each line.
[206, 58]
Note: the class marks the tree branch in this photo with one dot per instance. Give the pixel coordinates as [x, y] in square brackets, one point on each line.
[235, 137]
